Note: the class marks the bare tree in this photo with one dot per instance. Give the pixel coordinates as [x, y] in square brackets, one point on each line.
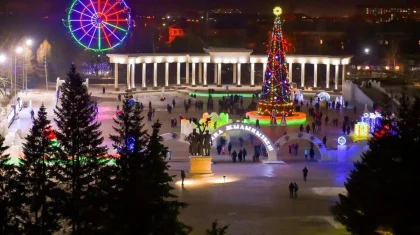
[42, 55]
[393, 53]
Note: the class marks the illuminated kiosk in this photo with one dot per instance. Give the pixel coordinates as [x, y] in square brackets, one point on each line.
[271, 150]
[276, 94]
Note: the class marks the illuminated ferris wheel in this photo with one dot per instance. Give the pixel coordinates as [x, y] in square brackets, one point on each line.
[99, 25]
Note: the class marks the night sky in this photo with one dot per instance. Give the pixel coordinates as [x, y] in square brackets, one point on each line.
[310, 7]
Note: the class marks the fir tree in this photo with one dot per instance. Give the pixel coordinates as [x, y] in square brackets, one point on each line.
[40, 190]
[216, 230]
[11, 212]
[142, 188]
[82, 156]
[382, 189]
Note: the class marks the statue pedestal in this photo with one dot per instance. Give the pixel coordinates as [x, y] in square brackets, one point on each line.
[200, 165]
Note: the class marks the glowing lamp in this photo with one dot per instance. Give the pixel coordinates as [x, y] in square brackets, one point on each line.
[341, 140]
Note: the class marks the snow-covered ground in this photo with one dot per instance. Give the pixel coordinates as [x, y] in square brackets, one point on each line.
[254, 197]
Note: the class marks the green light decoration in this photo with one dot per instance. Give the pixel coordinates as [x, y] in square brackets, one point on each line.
[220, 95]
[99, 25]
[16, 161]
[220, 120]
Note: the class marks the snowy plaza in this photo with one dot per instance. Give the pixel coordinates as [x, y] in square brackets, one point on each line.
[251, 196]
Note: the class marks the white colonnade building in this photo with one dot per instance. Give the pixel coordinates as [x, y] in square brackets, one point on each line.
[218, 56]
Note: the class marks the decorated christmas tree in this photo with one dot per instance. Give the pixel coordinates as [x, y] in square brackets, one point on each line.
[275, 92]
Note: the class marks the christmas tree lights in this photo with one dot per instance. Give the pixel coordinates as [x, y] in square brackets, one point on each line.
[275, 94]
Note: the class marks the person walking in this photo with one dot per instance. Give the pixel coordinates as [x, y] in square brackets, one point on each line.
[305, 173]
[240, 155]
[241, 141]
[291, 189]
[295, 189]
[244, 153]
[306, 154]
[230, 147]
[182, 177]
[234, 155]
[173, 103]
[103, 90]
[119, 97]
[257, 123]
[312, 153]
[324, 141]
[32, 114]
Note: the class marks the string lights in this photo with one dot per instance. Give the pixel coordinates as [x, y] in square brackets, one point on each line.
[275, 92]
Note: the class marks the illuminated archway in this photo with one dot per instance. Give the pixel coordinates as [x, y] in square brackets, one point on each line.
[272, 153]
[304, 136]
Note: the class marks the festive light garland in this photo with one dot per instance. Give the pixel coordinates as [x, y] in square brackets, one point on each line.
[99, 25]
[275, 92]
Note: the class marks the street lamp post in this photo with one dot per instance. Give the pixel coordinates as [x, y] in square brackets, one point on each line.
[18, 51]
[25, 75]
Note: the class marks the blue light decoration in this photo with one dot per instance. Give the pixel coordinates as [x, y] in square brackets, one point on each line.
[99, 25]
[130, 145]
[131, 102]
[371, 119]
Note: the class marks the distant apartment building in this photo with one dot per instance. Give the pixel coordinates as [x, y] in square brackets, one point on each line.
[384, 14]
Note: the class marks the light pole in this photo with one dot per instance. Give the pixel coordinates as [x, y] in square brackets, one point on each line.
[3, 59]
[25, 75]
[18, 51]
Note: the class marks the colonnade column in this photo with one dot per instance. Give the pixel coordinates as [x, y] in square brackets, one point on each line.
[116, 77]
[178, 73]
[193, 74]
[336, 76]
[238, 84]
[200, 73]
[263, 71]
[166, 74]
[205, 74]
[219, 74]
[133, 76]
[143, 76]
[187, 72]
[343, 76]
[290, 72]
[302, 75]
[252, 74]
[155, 85]
[315, 75]
[128, 76]
[234, 74]
[328, 76]
[215, 81]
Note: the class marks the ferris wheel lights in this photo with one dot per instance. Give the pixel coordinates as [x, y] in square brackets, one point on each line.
[101, 25]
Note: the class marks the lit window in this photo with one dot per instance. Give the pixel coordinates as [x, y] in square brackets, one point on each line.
[419, 42]
[386, 42]
[321, 41]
